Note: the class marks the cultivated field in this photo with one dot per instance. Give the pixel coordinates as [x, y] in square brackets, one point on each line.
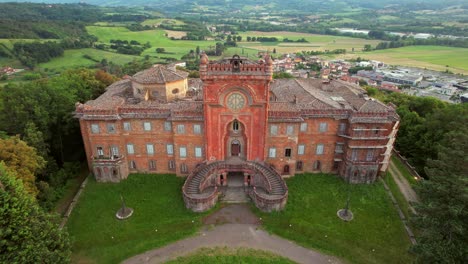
[76, 58]
[315, 42]
[430, 57]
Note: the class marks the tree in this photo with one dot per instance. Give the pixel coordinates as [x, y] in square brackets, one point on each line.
[443, 211]
[367, 47]
[239, 38]
[23, 160]
[274, 50]
[28, 234]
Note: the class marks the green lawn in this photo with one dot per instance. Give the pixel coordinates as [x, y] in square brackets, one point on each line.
[226, 255]
[75, 58]
[376, 235]
[160, 217]
[157, 39]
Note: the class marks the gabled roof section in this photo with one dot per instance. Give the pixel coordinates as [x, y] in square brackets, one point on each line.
[159, 74]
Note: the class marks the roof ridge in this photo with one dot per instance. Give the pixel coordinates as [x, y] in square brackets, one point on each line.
[162, 74]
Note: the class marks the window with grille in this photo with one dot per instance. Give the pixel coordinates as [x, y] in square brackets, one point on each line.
[272, 153]
[170, 149]
[323, 127]
[303, 127]
[183, 152]
[147, 126]
[197, 129]
[127, 126]
[152, 165]
[130, 149]
[94, 128]
[300, 149]
[273, 130]
[181, 129]
[320, 149]
[150, 149]
[287, 152]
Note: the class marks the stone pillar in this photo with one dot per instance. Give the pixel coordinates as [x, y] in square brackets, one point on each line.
[225, 178]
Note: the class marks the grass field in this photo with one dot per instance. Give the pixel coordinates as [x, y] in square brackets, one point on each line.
[75, 58]
[157, 39]
[158, 21]
[224, 255]
[160, 217]
[315, 42]
[376, 235]
[430, 57]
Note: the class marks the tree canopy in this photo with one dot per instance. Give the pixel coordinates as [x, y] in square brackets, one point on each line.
[28, 235]
[442, 212]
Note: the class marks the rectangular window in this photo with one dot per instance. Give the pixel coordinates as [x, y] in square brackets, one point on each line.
[94, 128]
[354, 154]
[133, 165]
[370, 155]
[152, 165]
[181, 129]
[183, 168]
[150, 149]
[127, 126]
[303, 127]
[171, 165]
[319, 150]
[342, 128]
[273, 130]
[323, 127]
[198, 152]
[272, 153]
[130, 149]
[299, 165]
[167, 126]
[197, 129]
[287, 152]
[147, 126]
[115, 151]
[110, 128]
[339, 147]
[183, 152]
[170, 149]
[100, 152]
[290, 130]
[300, 149]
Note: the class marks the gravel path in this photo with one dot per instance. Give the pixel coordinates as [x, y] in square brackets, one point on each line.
[239, 230]
[404, 186]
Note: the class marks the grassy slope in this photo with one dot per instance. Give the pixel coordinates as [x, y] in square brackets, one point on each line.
[227, 255]
[376, 234]
[100, 238]
[157, 39]
[404, 171]
[74, 58]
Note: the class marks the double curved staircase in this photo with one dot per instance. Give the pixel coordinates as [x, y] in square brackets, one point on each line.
[268, 190]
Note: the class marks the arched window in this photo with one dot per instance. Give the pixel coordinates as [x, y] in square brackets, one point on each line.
[286, 169]
[175, 91]
[235, 125]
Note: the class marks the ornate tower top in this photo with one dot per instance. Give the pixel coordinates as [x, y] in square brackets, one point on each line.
[235, 66]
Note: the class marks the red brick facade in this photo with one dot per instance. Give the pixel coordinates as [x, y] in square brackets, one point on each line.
[296, 125]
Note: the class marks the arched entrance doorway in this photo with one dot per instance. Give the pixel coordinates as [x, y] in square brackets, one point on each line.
[235, 148]
[235, 140]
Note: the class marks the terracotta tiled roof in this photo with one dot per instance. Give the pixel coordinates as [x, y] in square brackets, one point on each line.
[159, 74]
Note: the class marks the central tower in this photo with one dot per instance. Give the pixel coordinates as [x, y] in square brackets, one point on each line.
[236, 97]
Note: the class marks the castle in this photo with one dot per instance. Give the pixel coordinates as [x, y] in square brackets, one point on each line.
[235, 121]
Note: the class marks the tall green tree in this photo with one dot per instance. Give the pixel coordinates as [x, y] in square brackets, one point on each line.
[443, 210]
[23, 160]
[27, 234]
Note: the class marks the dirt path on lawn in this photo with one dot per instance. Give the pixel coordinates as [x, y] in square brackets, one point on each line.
[239, 228]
